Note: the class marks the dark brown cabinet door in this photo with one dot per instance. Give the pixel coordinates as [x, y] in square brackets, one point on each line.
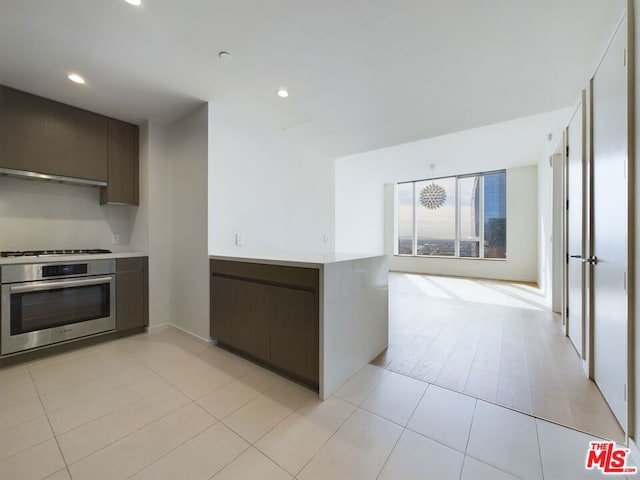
[122, 180]
[132, 295]
[251, 325]
[222, 309]
[294, 332]
[270, 313]
[44, 136]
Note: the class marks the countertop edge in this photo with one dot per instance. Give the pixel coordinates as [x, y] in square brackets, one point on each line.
[317, 264]
[69, 258]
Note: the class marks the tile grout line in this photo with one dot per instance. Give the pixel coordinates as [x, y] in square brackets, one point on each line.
[35, 397]
[540, 312]
[412, 412]
[140, 399]
[64, 460]
[276, 425]
[466, 447]
[182, 443]
[120, 385]
[412, 431]
[108, 371]
[232, 379]
[475, 406]
[268, 431]
[232, 460]
[28, 448]
[512, 409]
[135, 431]
[386, 460]
[330, 437]
[404, 429]
[253, 444]
[484, 462]
[260, 393]
[539, 449]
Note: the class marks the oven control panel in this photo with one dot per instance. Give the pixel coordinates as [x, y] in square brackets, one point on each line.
[64, 270]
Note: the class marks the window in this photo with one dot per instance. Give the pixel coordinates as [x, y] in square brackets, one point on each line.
[471, 221]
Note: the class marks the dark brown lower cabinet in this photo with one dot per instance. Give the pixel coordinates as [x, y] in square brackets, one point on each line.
[251, 320]
[294, 332]
[222, 309]
[269, 313]
[132, 293]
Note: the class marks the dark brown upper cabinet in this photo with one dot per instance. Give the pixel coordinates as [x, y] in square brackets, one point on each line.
[122, 149]
[46, 137]
[42, 136]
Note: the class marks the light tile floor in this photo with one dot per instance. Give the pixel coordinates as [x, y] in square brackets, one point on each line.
[161, 406]
[497, 341]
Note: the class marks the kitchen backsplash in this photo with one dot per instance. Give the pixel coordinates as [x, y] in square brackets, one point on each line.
[43, 215]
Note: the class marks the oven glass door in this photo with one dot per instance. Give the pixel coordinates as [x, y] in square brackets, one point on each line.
[33, 310]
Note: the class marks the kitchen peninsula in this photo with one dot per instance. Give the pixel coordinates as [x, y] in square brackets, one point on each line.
[317, 318]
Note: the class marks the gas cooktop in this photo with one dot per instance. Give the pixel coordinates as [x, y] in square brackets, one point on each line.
[42, 253]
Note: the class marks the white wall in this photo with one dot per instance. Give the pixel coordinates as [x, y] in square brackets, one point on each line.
[151, 225]
[47, 215]
[278, 194]
[186, 220]
[545, 212]
[545, 227]
[360, 183]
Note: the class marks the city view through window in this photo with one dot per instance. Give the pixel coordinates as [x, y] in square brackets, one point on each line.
[471, 223]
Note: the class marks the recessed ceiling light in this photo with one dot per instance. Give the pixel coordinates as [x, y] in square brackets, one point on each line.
[282, 93]
[75, 78]
[225, 57]
[135, 3]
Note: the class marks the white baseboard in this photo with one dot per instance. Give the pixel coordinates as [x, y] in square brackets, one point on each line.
[157, 328]
[205, 341]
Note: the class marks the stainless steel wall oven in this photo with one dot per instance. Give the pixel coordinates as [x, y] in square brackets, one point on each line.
[46, 303]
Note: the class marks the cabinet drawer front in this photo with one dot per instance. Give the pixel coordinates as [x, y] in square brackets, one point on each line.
[273, 274]
[131, 263]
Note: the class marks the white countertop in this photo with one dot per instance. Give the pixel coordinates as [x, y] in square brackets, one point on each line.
[295, 259]
[68, 258]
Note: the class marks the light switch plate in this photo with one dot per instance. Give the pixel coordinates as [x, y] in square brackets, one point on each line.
[239, 239]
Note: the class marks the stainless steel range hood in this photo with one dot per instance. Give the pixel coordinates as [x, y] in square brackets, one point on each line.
[51, 178]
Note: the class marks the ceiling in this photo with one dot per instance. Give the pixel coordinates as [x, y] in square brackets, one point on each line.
[362, 74]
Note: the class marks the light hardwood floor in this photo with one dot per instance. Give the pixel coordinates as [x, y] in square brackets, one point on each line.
[496, 341]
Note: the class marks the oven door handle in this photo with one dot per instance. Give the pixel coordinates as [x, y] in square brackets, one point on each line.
[59, 284]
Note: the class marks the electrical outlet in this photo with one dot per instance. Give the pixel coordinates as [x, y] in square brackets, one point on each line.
[239, 239]
[115, 239]
[325, 238]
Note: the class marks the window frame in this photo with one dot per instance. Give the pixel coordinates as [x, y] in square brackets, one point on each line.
[457, 239]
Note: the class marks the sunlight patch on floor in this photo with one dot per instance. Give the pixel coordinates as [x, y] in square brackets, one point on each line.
[481, 291]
